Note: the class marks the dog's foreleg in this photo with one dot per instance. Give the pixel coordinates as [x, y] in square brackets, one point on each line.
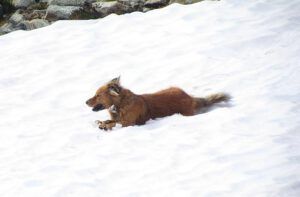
[114, 113]
[106, 125]
[109, 124]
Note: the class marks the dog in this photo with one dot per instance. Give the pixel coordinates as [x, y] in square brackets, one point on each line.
[128, 109]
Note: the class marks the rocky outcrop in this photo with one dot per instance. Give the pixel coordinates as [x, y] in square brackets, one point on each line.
[26, 19]
[34, 14]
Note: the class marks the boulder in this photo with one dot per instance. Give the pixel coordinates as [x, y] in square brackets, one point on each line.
[16, 18]
[33, 24]
[85, 13]
[146, 9]
[106, 8]
[156, 3]
[70, 2]
[33, 14]
[6, 28]
[132, 5]
[38, 14]
[22, 3]
[55, 12]
[184, 2]
[37, 6]
[9, 27]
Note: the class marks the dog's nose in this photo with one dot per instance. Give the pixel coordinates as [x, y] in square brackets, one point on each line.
[87, 102]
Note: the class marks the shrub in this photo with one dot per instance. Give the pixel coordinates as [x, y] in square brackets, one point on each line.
[7, 6]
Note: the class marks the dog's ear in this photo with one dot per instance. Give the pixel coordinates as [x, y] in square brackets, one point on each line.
[116, 80]
[114, 90]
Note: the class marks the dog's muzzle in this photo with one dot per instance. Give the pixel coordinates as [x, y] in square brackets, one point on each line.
[98, 107]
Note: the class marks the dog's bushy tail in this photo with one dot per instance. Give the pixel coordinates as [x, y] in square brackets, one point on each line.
[216, 98]
[212, 99]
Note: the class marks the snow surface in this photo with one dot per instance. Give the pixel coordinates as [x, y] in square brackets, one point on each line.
[49, 145]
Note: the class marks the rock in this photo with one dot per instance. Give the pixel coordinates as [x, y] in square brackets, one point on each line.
[70, 2]
[146, 9]
[36, 13]
[184, 2]
[9, 27]
[33, 14]
[16, 18]
[84, 14]
[33, 24]
[12, 24]
[6, 28]
[38, 6]
[132, 5]
[39, 14]
[22, 3]
[55, 12]
[156, 3]
[106, 8]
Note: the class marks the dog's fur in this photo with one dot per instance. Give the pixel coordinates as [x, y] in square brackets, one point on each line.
[129, 109]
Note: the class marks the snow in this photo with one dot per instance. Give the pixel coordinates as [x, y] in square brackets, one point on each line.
[49, 145]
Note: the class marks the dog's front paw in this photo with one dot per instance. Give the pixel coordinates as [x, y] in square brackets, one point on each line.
[103, 126]
[106, 125]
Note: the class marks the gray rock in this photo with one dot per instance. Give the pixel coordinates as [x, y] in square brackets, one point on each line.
[156, 3]
[132, 5]
[16, 18]
[22, 3]
[23, 25]
[70, 2]
[33, 14]
[33, 24]
[106, 8]
[12, 24]
[2, 32]
[55, 12]
[184, 2]
[146, 9]
[6, 28]
[39, 13]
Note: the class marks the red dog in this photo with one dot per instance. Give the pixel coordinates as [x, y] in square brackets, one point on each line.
[129, 109]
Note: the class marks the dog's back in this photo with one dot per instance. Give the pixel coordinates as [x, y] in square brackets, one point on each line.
[174, 100]
[168, 102]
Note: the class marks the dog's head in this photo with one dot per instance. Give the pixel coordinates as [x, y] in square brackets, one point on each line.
[106, 96]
